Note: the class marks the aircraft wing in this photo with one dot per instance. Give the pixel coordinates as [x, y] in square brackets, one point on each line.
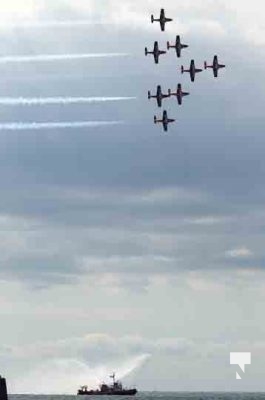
[162, 25]
[159, 102]
[156, 57]
[215, 72]
[179, 99]
[165, 126]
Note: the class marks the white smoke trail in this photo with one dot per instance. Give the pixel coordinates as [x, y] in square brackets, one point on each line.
[52, 24]
[57, 57]
[14, 126]
[30, 101]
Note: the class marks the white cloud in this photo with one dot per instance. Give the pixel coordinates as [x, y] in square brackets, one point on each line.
[208, 220]
[248, 18]
[17, 10]
[241, 252]
[205, 17]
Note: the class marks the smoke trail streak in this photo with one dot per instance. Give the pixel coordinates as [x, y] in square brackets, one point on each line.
[57, 57]
[52, 23]
[14, 126]
[30, 101]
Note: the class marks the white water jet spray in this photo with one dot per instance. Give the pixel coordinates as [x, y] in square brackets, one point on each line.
[63, 376]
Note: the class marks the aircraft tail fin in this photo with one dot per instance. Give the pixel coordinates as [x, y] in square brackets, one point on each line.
[205, 65]
[182, 69]
[149, 94]
[152, 18]
[145, 51]
[169, 92]
[154, 119]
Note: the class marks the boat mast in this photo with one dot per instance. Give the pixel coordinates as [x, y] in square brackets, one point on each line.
[113, 377]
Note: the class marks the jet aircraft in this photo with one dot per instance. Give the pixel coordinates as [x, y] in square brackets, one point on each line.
[156, 52]
[162, 19]
[179, 94]
[216, 66]
[165, 120]
[178, 46]
[159, 96]
[192, 70]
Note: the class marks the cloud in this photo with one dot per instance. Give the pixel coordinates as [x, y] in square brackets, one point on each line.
[43, 251]
[126, 237]
[241, 252]
[14, 10]
[248, 19]
[206, 17]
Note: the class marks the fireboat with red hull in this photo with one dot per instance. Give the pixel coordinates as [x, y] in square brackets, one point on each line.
[115, 389]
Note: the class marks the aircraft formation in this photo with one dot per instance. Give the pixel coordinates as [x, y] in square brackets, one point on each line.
[192, 70]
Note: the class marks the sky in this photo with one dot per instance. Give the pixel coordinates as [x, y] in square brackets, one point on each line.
[123, 248]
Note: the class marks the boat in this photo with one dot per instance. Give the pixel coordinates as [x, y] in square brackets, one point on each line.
[115, 389]
[3, 389]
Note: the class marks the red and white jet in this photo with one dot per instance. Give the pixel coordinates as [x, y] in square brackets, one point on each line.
[192, 70]
[156, 52]
[179, 94]
[216, 66]
[162, 19]
[178, 46]
[159, 96]
[165, 120]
